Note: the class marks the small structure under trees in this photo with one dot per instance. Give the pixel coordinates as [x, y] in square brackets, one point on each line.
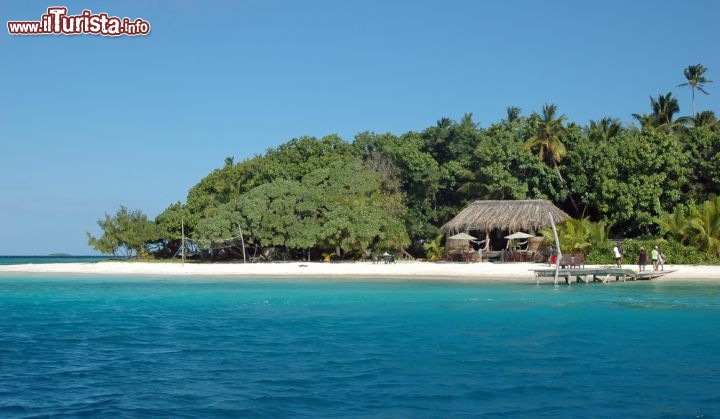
[502, 216]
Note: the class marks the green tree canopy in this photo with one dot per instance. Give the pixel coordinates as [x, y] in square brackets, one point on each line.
[390, 190]
[126, 233]
[341, 207]
[642, 177]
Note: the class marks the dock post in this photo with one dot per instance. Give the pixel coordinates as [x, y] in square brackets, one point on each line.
[559, 252]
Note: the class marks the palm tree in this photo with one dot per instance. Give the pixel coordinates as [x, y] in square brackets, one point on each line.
[602, 131]
[548, 130]
[579, 235]
[705, 226]
[647, 122]
[695, 80]
[434, 249]
[675, 225]
[513, 114]
[575, 237]
[702, 119]
[664, 108]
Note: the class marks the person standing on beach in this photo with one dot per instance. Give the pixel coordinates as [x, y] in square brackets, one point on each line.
[618, 255]
[661, 258]
[655, 256]
[642, 259]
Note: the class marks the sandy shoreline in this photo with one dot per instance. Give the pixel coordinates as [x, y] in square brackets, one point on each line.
[401, 270]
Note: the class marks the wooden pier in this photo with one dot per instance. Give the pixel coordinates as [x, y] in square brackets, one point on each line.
[602, 274]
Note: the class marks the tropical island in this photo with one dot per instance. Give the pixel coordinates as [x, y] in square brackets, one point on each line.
[655, 180]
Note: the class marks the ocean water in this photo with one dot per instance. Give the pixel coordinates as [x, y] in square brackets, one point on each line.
[21, 260]
[169, 347]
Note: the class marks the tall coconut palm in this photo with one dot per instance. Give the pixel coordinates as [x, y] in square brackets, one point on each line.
[548, 130]
[695, 80]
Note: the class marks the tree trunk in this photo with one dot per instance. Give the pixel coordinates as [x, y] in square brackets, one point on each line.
[404, 252]
[693, 101]
[572, 200]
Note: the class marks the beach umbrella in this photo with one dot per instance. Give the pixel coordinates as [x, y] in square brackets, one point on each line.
[518, 235]
[462, 236]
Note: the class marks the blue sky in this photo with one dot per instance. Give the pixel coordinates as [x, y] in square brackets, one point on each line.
[88, 123]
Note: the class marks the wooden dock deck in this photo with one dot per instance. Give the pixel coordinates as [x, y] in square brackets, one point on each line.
[602, 274]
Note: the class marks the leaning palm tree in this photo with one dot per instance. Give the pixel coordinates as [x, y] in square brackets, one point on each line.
[695, 80]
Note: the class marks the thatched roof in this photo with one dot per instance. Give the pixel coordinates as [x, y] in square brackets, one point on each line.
[527, 215]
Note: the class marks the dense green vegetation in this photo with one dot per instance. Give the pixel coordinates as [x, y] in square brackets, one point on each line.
[655, 179]
[127, 233]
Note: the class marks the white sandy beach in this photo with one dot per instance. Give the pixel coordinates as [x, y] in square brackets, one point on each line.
[401, 270]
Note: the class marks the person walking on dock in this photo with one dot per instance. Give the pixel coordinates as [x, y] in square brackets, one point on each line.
[617, 251]
[552, 259]
[642, 259]
[655, 257]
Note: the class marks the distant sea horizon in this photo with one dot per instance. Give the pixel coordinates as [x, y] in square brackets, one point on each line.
[52, 258]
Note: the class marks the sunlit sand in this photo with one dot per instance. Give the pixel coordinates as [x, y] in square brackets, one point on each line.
[367, 270]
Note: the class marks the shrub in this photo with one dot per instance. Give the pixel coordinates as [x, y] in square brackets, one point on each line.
[675, 253]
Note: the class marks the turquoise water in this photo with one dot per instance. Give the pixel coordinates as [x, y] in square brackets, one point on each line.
[154, 347]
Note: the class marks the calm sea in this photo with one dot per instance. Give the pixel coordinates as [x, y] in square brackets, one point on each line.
[21, 260]
[160, 347]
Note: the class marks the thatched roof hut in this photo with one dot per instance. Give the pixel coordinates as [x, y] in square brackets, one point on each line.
[528, 215]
